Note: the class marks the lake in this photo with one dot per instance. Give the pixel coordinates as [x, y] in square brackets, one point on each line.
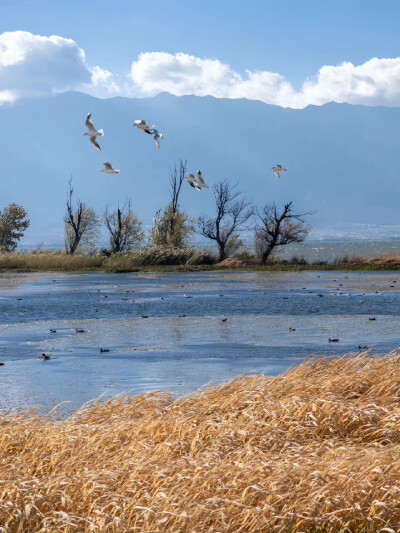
[178, 332]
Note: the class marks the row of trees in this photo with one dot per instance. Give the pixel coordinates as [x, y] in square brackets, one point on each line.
[172, 226]
[82, 226]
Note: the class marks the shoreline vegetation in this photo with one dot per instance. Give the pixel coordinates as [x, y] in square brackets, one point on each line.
[314, 449]
[170, 259]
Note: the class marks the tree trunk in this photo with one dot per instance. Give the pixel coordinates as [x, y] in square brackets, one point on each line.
[74, 245]
[222, 254]
[117, 239]
[268, 252]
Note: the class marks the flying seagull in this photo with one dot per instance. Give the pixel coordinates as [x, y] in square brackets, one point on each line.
[200, 180]
[109, 169]
[191, 179]
[157, 136]
[142, 125]
[278, 169]
[93, 133]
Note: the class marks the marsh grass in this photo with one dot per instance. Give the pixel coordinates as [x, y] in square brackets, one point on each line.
[49, 260]
[158, 256]
[168, 258]
[315, 449]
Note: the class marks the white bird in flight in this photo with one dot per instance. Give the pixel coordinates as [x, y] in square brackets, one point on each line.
[157, 136]
[93, 133]
[142, 125]
[197, 183]
[109, 169]
[278, 169]
[191, 179]
[200, 180]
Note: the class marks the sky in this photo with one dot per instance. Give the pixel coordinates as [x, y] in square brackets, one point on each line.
[291, 53]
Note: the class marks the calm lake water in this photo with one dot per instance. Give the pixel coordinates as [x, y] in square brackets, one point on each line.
[201, 328]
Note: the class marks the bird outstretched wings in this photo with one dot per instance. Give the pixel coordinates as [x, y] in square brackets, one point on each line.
[89, 123]
[95, 143]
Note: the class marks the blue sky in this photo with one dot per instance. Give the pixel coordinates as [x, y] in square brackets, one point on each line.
[291, 37]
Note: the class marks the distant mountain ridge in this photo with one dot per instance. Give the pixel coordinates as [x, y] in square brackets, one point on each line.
[343, 160]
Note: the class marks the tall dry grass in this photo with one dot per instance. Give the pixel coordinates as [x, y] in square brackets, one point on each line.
[158, 255]
[49, 260]
[316, 449]
[386, 259]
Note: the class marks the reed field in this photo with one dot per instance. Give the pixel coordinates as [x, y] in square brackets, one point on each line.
[314, 449]
[158, 255]
[168, 258]
[49, 260]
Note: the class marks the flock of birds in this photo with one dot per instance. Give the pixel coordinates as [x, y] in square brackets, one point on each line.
[197, 182]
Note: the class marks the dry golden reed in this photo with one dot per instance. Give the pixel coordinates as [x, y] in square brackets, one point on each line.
[47, 260]
[386, 259]
[315, 449]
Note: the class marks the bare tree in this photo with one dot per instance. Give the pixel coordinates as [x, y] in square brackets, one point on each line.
[124, 227]
[278, 229]
[13, 223]
[175, 184]
[172, 226]
[81, 224]
[233, 212]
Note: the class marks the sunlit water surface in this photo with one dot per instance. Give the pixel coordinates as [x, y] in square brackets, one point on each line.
[200, 328]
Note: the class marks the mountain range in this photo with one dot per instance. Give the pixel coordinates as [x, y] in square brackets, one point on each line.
[343, 160]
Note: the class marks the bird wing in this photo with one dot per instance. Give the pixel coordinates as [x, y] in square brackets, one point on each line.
[157, 139]
[200, 179]
[89, 124]
[94, 142]
[108, 165]
[192, 182]
[276, 172]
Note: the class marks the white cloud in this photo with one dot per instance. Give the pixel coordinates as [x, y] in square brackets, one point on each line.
[103, 81]
[181, 74]
[32, 65]
[376, 82]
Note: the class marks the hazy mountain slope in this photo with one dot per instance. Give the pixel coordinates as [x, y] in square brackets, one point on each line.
[343, 160]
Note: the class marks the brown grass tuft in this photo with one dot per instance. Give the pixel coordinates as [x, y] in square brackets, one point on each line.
[386, 259]
[231, 262]
[316, 449]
